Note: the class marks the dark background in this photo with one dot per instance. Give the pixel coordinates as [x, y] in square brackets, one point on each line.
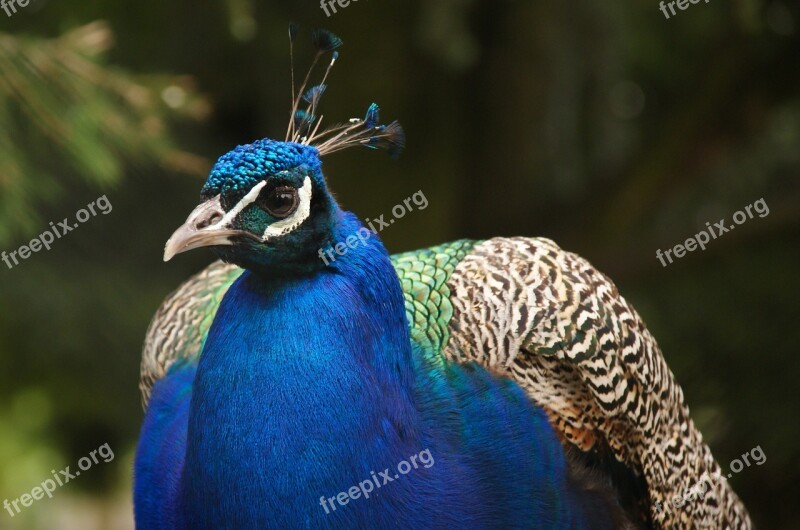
[601, 125]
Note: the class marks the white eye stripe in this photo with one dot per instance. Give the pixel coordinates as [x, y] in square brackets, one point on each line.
[284, 226]
[246, 201]
[279, 228]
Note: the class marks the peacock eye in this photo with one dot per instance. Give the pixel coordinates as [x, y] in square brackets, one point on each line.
[280, 202]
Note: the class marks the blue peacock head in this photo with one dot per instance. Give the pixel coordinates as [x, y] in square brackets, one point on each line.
[266, 204]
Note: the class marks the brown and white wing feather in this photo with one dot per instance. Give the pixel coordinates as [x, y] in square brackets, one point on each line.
[179, 327]
[560, 328]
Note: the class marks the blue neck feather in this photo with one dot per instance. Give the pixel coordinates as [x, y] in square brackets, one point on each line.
[295, 374]
[310, 385]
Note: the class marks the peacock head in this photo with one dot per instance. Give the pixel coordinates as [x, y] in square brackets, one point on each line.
[266, 205]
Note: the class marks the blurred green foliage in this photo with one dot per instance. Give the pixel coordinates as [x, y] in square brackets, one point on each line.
[65, 115]
[603, 126]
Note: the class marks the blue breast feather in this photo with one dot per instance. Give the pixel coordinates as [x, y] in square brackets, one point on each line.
[309, 386]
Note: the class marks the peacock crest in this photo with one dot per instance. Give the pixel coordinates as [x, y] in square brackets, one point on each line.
[304, 123]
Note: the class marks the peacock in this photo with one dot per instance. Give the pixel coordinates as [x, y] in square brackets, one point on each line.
[278, 385]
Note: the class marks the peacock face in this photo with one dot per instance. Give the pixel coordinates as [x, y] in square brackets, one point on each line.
[265, 206]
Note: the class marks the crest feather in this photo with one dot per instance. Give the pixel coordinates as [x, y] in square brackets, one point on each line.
[304, 125]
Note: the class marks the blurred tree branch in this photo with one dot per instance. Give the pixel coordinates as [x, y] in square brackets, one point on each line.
[66, 117]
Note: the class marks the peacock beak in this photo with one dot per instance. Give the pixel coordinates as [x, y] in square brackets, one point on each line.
[206, 226]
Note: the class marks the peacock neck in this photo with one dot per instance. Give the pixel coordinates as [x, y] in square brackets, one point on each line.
[295, 373]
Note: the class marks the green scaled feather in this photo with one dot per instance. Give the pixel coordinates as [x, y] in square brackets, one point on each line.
[423, 276]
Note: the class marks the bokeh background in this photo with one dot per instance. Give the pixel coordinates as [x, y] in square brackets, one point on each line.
[601, 125]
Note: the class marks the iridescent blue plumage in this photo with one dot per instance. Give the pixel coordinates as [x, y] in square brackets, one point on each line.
[325, 41]
[373, 116]
[309, 381]
[314, 94]
[240, 169]
[308, 384]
